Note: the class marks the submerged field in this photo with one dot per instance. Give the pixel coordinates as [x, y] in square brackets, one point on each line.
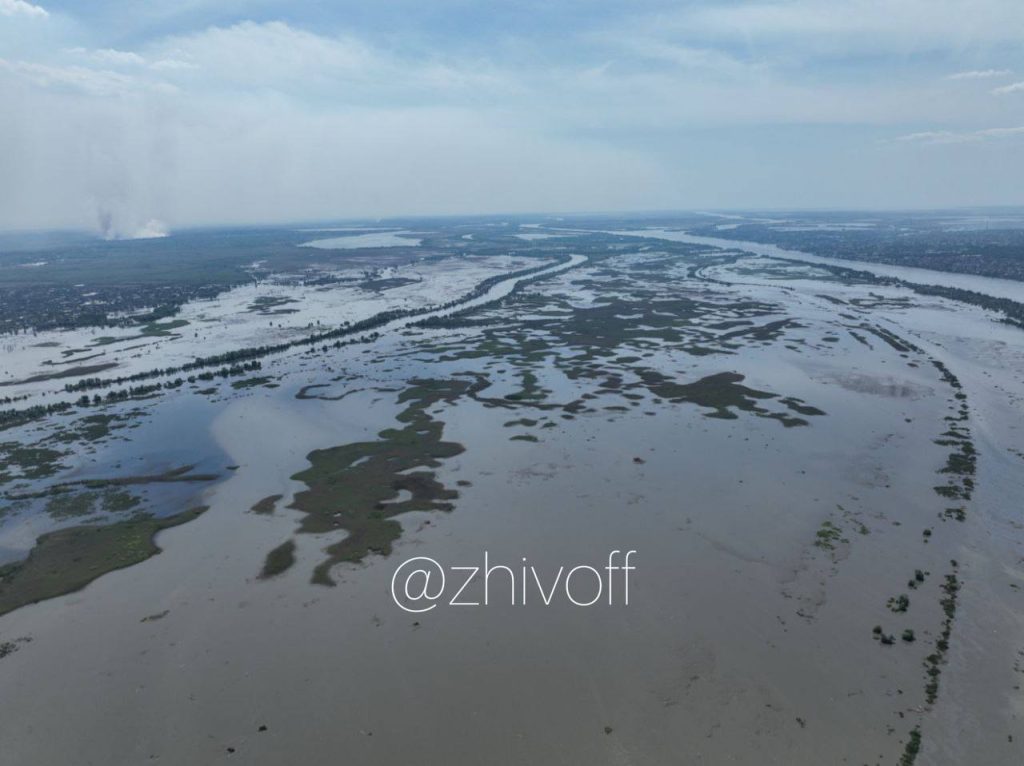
[820, 472]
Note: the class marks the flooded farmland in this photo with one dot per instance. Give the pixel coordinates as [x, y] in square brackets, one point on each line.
[819, 473]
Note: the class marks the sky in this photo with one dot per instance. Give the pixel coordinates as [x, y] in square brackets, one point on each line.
[135, 118]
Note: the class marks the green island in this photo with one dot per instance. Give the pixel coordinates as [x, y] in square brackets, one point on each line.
[69, 559]
[352, 487]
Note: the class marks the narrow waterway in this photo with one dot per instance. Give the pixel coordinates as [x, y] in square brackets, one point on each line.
[496, 292]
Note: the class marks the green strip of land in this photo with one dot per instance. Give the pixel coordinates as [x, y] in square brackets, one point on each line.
[69, 559]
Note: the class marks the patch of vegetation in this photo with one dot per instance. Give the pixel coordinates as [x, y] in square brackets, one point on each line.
[266, 506]
[71, 372]
[304, 393]
[892, 339]
[263, 380]
[270, 305]
[722, 393]
[148, 330]
[957, 514]
[119, 501]
[279, 560]
[389, 283]
[352, 487]
[529, 423]
[69, 559]
[30, 463]
[912, 748]
[13, 418]
[180, 474]
[93, 428]
[531, 390]
[899, 603]
[828, 535]
[933, 662]
[96, 427]
[68, 504]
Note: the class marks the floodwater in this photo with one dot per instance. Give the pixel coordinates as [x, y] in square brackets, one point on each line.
[745, 641]
[999, 288]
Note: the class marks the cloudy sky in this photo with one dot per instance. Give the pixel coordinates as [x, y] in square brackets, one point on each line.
[218, 111]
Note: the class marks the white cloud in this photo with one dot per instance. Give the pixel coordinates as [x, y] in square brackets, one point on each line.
[979, 74]
[205, 157]
[118, 58]
[931, 137]
[651, 48]
[95, 82]
[113, 56]
[21, 8]
[960, 137]
[1001, 132]
[270, 121]
[110, 56]
[88, 80]
[1011, 88]
[170, 65]
[277, 56]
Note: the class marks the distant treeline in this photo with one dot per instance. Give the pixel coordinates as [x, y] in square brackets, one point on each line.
[11, 418]
[1013, 311]
[919, 243]
[137, 391]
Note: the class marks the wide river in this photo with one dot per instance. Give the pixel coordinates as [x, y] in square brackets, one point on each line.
[999, 288]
